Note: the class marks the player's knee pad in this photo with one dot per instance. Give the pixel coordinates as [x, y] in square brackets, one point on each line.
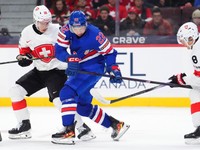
[84, 109]
[67, 93]
[17, 93]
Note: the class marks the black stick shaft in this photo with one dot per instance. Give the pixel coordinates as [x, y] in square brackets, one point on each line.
[136, 94]
[139, 80]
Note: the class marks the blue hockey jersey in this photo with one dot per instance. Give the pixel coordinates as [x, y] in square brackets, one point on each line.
[92, 47]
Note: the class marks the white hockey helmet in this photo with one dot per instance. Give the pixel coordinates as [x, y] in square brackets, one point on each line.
[186, 31]
[42, 14]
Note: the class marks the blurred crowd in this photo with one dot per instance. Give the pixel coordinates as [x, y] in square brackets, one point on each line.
[136, 17]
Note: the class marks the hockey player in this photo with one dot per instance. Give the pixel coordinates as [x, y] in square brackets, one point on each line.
[90, 51]
[189, 37]
[37, 41]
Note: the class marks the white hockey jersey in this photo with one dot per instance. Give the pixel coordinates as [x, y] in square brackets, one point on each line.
[41, 46]
[195, 57]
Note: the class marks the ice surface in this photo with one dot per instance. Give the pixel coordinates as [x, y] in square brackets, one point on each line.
[152, 128]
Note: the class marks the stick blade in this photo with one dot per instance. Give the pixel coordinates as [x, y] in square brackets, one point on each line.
[98, 97]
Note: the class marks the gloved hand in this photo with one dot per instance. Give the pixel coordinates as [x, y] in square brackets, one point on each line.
[73, 65]
[177, 79]
[24, 60]
[115, 72]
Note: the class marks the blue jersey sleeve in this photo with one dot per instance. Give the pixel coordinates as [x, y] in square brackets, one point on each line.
[62, 44]
[106, 49]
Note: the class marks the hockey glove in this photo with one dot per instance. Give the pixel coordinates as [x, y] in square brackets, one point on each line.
[115, 73]
[177, 79]
[73, 65]
[24, 60]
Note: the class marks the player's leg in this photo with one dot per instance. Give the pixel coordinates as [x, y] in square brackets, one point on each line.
[25, 86]
[55, 81]
[85, 133]
[194, 137]
[68, 110]
[85, 108]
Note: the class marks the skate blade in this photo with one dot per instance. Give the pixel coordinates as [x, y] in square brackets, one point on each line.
[122, 132]
[63, 141]
[23, 135]
[192, 141]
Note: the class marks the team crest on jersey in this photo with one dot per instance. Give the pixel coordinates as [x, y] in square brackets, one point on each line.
[45, 51]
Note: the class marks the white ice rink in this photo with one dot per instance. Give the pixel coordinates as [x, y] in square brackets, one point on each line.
[152, 128]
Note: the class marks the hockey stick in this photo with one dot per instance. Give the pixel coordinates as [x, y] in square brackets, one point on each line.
[15, 61]
[98, 97]
[139, 80]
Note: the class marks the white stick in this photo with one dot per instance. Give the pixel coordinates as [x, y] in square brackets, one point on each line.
[98, 97]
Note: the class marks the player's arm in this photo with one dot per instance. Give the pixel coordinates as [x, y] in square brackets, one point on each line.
[24, 57]
[62, 45]
[110, 55]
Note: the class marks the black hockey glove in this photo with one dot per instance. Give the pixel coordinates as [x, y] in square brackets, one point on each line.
[177, 79]
[24, 60]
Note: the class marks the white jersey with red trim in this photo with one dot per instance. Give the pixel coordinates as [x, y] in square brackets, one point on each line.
[195, 56]
[194, 81]
[41, 45]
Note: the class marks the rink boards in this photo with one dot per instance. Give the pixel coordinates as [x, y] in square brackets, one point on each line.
[148, 62]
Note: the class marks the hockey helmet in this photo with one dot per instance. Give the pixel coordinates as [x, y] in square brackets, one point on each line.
[187, 31]
[77, 18]
[42, 14]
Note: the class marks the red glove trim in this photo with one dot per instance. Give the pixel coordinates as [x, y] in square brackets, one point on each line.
[180, 79]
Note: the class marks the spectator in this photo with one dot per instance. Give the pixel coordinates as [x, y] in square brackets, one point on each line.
[4, 31]
[122, 10]
[132, 25]
[87, 9]
[143, 12]
[105, 22]
[60, 12]
[158, 26]
[196, 18]
[98, 3]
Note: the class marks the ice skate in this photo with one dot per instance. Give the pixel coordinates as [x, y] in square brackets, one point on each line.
[119, 128]
[194, 137]
[85, 133]
[22, 131]
[66, 136]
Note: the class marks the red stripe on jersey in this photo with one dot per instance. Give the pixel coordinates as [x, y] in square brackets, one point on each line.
[61, 36]
[68, 109]
[59, 41]
[108, 50]
[24, 50]
[180, 79]
[195, 108]
[197, 73]
[99, 116]
[19, 105]
[90, 54]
